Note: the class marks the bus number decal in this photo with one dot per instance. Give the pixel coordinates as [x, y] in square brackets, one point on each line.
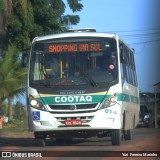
[110, 111]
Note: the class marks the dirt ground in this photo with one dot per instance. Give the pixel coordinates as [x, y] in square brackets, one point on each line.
[143, 140]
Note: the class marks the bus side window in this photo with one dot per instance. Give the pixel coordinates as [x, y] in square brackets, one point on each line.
[122, 72]
[129, 66]
[123, 62]
[132, 68]
[128, 70]
[134, 71]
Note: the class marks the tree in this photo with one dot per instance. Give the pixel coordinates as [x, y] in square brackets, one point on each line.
[19, 111]
[37, 18]
[12, 77]
[5, 13]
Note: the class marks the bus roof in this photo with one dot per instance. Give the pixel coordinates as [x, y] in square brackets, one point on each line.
[75, 34]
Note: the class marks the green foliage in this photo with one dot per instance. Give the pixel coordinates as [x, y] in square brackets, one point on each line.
[4, 108]
[1, 7]
[38, 17]
[11, 74]
[15, 125]
[20, 25]
[19, 111]
[12, 77]
[75, 5]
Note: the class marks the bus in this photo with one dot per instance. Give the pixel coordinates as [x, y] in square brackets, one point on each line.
[82, 84]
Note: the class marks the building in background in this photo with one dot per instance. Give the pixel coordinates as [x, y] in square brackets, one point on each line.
[152, 101]
[157, 104]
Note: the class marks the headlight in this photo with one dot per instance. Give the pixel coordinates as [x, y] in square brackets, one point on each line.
[37, 104]
[34, 102]
[112, 100]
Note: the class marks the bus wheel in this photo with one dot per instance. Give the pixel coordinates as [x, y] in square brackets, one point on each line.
[127, 135]
[41, 142]
[116, 137]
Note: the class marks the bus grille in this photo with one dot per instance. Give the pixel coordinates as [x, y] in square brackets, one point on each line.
[73, 107]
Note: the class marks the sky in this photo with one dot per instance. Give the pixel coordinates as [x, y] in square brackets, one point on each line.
[137, 22]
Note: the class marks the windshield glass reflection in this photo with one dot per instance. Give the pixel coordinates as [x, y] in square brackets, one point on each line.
[77, 67]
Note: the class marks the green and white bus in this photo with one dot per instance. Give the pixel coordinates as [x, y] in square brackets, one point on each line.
[82, 84]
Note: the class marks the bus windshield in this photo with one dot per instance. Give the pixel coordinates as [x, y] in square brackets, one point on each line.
[74, 61]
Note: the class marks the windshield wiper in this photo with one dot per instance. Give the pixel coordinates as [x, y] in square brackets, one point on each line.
[46, 77]
[90, 80]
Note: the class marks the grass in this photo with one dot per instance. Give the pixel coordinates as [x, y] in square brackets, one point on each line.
[15, 126]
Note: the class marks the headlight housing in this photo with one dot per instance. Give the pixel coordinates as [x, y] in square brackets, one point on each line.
[37, 104]
[112, 100]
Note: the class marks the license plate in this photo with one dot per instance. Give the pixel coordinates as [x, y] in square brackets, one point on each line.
[73, 122]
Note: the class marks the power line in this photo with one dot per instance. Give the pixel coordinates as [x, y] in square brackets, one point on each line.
[144, 34]
[149, 33]
[138, 30]
[145, 42]
[140, 37]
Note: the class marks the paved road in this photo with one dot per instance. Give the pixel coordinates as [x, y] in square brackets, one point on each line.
[144, 139]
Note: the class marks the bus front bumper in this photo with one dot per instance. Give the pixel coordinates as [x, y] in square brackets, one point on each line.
[107, 118]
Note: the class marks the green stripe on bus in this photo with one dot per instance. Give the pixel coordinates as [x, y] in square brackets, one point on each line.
[69, 99]
[128, 98]
[123, 97]
[134, 99]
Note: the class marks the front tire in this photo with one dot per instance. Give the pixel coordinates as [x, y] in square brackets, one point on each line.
[41, 142]
[116, 137]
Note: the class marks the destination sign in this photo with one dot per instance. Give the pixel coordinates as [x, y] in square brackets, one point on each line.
[74, 47]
